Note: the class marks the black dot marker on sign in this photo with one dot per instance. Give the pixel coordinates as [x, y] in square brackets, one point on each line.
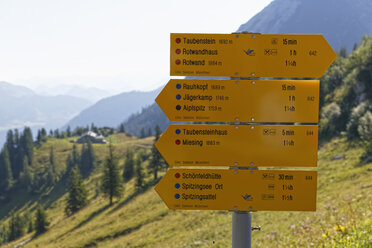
[178, 107]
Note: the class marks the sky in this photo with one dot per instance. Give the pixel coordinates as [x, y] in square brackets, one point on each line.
[116, 45]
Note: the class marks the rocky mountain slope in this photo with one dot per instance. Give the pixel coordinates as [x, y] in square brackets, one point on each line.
[342, 22]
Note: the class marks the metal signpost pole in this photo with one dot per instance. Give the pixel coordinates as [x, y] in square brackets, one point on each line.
[242, 220]
[241, 229]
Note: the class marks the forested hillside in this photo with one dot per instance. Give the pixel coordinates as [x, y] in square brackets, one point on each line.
[54, 172]
[138, 124]
[346, 96]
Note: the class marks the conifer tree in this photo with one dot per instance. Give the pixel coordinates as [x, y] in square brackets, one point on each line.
[41, 222]
[24, 145]
[3, 234]
[157, 132]
[90, 152]
[51, 158]
[121, 128]
[51, 177]
[11, 145]
[44, 134]
[17, 166]
[76, 131]
[68, 131]
[157, 162]
[16, 137]
[69, 163]
[30, 227]
[18, 155]
[39, 137]
[16, 227]
[16, 152]
[27, 144]
[28, 221]
[149, 133]
[343, 52]
[93, 128]
[75, 155]
[111, 181]
[142, 135]
[56, 134]
[26, 178]
[88, 159]
[6, 175]
[77, 194]
[83, 160]
[128, 166]
[139, 173]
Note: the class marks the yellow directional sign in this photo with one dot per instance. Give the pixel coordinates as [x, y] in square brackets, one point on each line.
[240, 100]
[250, 55]
[240, 145]
[244, 190]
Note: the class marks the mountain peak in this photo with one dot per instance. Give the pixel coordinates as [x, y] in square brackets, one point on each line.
[272, 17]
[342, 22]
[7, 89]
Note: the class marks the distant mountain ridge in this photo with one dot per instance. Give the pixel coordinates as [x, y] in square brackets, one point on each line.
[7, 89]
[112, 111]
[89, 93]
[342, 22]
[20, 107]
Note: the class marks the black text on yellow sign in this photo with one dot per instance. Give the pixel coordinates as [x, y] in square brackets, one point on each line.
[250, 55]
[244, 190]
[240, 145]
[241, 100]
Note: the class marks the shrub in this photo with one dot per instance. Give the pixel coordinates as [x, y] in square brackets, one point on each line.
[356, 114]
[365, 131]
[365, 126]
[329, 120]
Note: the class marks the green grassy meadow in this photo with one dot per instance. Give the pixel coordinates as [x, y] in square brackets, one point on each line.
[140, 219]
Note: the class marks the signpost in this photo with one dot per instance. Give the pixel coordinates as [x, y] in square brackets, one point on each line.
[239, 190]
[240, 145]
[240, 100]
[250, 55]
[288, 103]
